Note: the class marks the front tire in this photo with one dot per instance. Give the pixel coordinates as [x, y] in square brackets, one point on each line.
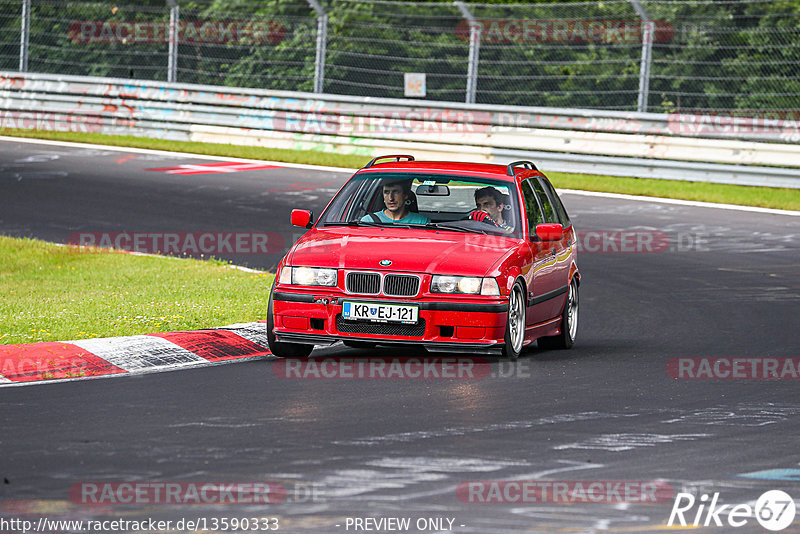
[280, 348]
[515, 323]
[569, 322]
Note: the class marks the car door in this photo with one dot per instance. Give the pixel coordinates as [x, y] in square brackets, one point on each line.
[540, 279]
[557, 283]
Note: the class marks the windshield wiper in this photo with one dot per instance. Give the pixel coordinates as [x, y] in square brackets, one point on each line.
[352, 223]
[356, 224]
[440, 226]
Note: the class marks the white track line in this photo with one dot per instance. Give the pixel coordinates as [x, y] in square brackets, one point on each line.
[693, 203]
[177, 154]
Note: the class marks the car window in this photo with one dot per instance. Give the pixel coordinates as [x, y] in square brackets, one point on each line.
[548, 212]
[532, 209]
[561, 212]
[432, 199]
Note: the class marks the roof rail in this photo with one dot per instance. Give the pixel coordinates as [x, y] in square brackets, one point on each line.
[525, 164]
[395, 156]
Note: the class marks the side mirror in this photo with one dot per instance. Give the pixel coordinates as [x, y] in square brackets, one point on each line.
[302, 218]
[549, 231]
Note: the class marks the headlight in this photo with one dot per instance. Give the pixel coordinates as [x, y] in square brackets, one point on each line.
[308, 276]
[468, 285]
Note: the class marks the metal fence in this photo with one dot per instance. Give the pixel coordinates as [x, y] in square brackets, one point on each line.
[736, 57]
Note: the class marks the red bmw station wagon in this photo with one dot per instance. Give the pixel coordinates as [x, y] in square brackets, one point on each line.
[462, 257]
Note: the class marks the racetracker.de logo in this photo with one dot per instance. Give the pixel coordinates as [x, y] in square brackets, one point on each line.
[200, 32]
[57, 122]
[382, 368]
[622, 241]
[384, 121]
[564, 492]
[610, 242]
[703, 368]
[604, 31]
[187, 243]
[736, 122]
[175, 493]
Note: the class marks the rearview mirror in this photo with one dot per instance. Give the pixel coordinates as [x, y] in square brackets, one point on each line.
[433, 190]
[302, 218]
[549, 231]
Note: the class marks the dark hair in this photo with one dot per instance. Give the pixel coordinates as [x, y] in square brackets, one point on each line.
[489, 191]
[405, 184]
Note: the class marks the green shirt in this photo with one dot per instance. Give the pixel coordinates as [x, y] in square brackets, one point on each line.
[411, 218]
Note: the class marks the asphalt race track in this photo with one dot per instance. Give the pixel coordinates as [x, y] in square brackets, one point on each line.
[723, 285]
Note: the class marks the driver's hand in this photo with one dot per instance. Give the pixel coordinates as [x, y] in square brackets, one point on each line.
[481, 216]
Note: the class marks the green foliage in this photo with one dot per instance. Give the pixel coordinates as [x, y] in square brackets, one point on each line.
[56, 293]
[715, 55]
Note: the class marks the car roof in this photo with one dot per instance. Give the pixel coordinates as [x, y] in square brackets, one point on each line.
[484, 170]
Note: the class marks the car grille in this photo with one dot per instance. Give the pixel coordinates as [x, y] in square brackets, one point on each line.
[363, 283]
[393, 285]
[383, 329]
[397, 285]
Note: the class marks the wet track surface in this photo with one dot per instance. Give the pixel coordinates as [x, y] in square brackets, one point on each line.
[726, 286]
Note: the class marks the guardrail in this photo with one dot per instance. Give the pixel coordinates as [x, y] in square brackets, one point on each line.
[569, 140]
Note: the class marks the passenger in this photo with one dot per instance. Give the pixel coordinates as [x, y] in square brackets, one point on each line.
[492, 202]
[397, 198]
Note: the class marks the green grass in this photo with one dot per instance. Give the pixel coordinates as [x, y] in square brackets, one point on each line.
[210, 149]
[766, 197]
[58, 293]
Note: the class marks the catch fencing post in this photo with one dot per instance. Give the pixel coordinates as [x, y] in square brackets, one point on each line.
[172, 62]
[25, 35]
[648, 33]
[322, 40]
[474, 51]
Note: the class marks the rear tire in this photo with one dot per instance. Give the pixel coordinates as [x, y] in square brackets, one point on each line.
[515, 323]
[569, 322]
[280, 348]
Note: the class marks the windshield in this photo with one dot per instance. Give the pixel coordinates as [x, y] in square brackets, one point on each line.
[413, 200]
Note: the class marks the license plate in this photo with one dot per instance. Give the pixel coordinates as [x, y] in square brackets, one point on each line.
[380, 313]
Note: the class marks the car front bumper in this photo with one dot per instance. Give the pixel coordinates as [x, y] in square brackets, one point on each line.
[315, 317]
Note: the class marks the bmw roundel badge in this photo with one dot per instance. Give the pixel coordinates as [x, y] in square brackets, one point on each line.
[385, 263]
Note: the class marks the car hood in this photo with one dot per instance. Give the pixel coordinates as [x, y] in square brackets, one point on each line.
[409, 250]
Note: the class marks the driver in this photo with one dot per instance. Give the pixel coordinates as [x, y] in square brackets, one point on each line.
[396, 197]
[492, 202]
